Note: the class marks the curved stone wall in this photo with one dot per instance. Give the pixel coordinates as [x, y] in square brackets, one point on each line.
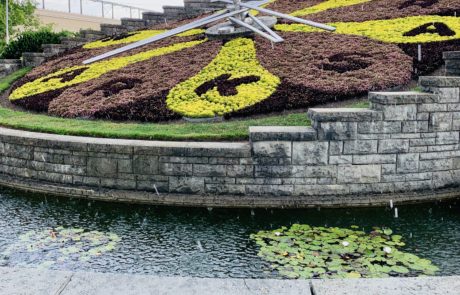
[404, 148]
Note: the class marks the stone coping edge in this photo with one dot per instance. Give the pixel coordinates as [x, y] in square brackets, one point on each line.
[29, 281]
[227, 201]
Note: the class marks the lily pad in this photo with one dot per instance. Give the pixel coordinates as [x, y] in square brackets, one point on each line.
[59, 247]
[306, 252]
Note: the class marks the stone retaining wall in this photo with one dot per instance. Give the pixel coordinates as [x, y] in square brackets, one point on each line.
[406, 142]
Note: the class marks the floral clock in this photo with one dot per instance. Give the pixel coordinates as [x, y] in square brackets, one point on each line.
[377, 45]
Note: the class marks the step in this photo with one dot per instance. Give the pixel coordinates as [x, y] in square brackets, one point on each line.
[10, 62]
[203, 6]
[54, 49]
[452, 61]
[92, 34]
[440, 81]
[73, 42]
[111, 30]
[343, 115]
[33, 59]
[174, 10]
[133, 23]
[281, 133]
[402, 97]
[152, 16]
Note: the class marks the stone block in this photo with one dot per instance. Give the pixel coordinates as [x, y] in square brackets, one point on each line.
[388, 169]
[405, 135]
[173, 169]
[240, 170]
[422, 141]
[431, 108]
[186, 185]
[17, 151]
[447, 138]
[335, 147]
[310, 153]
[143, 164]
[281, 133]
[374, 159]
[440, 122]
[225, 189]
[321, 190]
[343, 115]
[102, 167]
[115, 183]
[407, 112]
[456, 121]
[415, 126]
[401, 97]
[219, 180]
[335, 160]
[382, 127]
[407, 163]
[418, 176]
[436, 165]
[272, 149]
[125, 166]
[447, 95]
[337, 130]
[360, 147]
[392, 146]
[439, 81]
[358, 174]
[209, 170]
[270, 190]
[410, 186]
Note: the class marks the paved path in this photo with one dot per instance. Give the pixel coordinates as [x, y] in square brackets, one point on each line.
[44, 282]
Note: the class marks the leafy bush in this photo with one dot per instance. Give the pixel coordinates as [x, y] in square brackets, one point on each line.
[31, 41]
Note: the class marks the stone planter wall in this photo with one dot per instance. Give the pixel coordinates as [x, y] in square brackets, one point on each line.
[404, 148]
[8, 66]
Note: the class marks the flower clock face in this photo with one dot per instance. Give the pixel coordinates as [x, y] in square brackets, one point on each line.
[376, 46]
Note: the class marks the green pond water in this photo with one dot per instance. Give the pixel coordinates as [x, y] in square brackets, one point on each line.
[67, 234]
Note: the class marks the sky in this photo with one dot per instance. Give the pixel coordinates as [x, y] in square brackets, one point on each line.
[95, 9]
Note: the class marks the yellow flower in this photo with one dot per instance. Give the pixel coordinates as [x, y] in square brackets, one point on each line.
[236, 60]
[390, 31]
[85, 73]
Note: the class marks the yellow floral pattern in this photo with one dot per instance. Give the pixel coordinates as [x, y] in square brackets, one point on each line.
[390, 31]
[326, 5]
[93, 71]
[237, 59]
[137, 36]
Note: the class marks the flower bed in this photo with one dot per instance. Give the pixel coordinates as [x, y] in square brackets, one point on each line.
[189, 76]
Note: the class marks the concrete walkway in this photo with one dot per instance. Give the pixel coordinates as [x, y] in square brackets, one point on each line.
[44, 282]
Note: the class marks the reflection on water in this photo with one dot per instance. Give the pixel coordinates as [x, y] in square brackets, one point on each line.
[213, 243]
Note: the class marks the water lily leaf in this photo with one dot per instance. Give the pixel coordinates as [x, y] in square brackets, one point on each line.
[399, 269]
[319, 252]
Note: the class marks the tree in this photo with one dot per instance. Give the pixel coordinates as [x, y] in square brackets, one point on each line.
[21, 17]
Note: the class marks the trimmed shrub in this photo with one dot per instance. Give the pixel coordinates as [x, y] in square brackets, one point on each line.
[31, 41]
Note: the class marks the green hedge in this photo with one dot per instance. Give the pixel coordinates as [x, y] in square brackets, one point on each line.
[31, 41]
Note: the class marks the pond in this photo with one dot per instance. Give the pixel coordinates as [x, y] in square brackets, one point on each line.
[197, 242]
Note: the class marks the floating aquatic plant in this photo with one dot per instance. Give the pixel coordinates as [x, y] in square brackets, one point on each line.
[59, 247]
[309, 252]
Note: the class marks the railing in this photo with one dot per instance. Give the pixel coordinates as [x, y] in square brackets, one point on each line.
[99, 8]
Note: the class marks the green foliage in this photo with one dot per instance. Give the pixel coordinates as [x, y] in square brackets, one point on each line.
[21, 17]
[31, 41]
[309, 252]
[6, 82]
[60, 246]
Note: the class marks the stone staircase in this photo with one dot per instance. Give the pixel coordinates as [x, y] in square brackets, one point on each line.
[191, 8]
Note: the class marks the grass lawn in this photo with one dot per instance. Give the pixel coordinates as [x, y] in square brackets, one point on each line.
[230, 130]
